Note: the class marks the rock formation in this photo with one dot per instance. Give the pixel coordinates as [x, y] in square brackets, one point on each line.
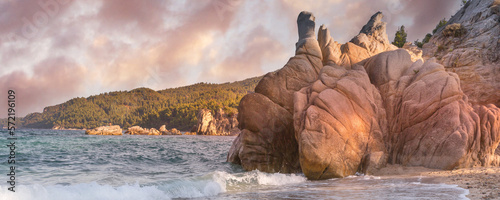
[267, 141]
[218, 124]
[105, 130]
[334, 110]
[164, 131]
[137, 130]
[469, 45]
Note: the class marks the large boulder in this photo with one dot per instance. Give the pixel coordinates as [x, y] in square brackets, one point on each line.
[334, 110]
[299, 71]
[277, 89]
[469, 45]
[430, 122]
[338, 121]
[267, 141]
[105, 130]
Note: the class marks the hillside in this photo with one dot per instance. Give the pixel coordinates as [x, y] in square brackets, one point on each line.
[176, 107]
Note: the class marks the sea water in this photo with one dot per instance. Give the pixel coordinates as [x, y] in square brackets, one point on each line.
[63, 164]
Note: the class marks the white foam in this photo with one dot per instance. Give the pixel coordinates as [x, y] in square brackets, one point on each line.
[206, 186]
[255, 178]
[82, 191]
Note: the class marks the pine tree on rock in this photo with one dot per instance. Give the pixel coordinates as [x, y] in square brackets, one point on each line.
[400, 37]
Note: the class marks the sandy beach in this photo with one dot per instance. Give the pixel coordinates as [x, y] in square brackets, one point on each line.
[482, 182]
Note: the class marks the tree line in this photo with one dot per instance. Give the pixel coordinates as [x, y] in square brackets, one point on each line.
[175, 107]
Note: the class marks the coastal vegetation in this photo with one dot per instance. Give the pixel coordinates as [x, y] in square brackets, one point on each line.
[175, 107]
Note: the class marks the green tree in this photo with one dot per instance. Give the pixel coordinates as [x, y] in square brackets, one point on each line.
[400, 37]
[175, 107]
[439, 25]
[425, 40]
[427, 37]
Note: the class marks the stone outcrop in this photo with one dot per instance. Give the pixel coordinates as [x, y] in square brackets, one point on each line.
[371, 40]
[105, 130]
[137, 130]
[469, 45]
[334, 110]
[218, 124]
[267, 141]
[338, 120]
[164, 131]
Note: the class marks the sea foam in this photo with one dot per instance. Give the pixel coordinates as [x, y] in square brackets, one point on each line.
[209, 185]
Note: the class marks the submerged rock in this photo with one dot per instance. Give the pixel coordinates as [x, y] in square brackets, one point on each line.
[105, 130]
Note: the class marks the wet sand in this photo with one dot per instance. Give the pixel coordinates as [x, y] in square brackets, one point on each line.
[482, 182]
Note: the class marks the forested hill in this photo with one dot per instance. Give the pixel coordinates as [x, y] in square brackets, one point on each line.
[175, 108]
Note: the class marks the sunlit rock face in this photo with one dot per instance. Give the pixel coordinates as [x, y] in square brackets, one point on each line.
[334, 110]
[267, 141]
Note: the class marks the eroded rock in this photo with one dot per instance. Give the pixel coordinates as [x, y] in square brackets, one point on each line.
[334, 110]
[339, 119]
[267, 141]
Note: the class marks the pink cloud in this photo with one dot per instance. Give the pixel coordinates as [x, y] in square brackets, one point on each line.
[161, 44]
[51, 83]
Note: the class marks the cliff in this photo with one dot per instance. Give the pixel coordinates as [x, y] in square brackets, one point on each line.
[469, 45]
[337, 109]
[218, 124]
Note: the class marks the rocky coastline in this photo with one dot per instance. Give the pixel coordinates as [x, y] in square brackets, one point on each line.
[218, 124]
[337, 109]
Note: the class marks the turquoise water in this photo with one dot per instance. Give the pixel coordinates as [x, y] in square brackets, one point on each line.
[61, 164]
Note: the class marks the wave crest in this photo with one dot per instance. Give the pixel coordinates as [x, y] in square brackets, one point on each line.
[205, 186]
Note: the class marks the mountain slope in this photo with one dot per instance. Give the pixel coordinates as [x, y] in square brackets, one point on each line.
[175, 108]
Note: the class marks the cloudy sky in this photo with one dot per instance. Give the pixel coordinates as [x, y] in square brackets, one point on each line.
[55, 50]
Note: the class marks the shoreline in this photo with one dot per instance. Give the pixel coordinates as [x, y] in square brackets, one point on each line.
[482, 182]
